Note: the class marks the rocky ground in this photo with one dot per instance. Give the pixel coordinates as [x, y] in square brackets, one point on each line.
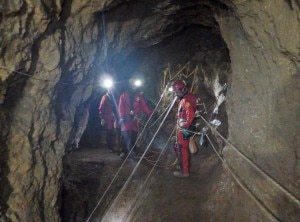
[204, 196]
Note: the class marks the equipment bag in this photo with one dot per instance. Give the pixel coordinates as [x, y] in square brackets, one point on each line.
[193, 146]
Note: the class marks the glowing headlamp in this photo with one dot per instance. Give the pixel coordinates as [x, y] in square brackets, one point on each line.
[106, 82]
[171, 89]
[137, 82]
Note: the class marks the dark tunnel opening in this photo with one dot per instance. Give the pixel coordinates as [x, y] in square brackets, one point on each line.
[206, 51]
[195, 49]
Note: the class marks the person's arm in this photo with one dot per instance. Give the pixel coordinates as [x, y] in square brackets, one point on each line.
[143, 105]
[101, 108]
[123, 105]
[190, 113]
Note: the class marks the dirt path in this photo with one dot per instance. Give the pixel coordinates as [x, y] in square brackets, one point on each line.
[209, 194]
[165, 197]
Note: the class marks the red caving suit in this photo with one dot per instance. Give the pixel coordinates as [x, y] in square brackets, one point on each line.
[124, 113]
[139, 106]
[129, 124]
[106, 108]
[186, 111]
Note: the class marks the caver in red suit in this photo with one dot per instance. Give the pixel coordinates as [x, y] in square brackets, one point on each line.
[140, 108]
[127, 111]
[186, 115]
[106, 114]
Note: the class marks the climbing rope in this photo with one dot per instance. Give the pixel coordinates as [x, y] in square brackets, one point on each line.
[279, 186]
[275, 183]
[126, 158]
[151, 171]
[170, 166]
[161, 153]
[31, 77]
[160, 116]
[140, 160]
[154, 162]
[252, 196]
[179, 73]
[40, 79]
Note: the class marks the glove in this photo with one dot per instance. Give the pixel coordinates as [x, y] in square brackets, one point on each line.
[115, 124]
[102, 122]
[186, 134]
[181, 124]
[121, 121]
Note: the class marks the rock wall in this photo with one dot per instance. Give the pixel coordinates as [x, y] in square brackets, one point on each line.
[46, 73]
[263, 102]
[51, 54]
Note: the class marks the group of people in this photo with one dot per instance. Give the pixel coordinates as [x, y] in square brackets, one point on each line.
[132, 106]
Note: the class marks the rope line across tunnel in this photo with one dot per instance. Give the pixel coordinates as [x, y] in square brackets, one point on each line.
[151, 171]
[34, 78]
[252, 196]
[259, 169]
[131, 150]
[284, 190]
[139, 162]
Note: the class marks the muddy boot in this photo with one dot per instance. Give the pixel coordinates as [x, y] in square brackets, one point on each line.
[178, 165]
[180, 174]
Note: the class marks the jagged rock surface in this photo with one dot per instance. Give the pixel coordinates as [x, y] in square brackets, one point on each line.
[263, 104]
[57, 49]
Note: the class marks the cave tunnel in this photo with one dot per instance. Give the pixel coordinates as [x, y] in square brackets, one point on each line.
[240, 59]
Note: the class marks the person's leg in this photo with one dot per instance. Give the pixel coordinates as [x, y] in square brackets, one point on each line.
[177, 148]
[184, 154]
[131, 143]
[109, 139]
[133, 140]
[122, 142]
[185, 158]
[118, 139]
[126, 142]
[126, 139]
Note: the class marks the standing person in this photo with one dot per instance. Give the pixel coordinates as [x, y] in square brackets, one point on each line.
[132, 105]
[140, 107]
[107, 117]
[186, 115]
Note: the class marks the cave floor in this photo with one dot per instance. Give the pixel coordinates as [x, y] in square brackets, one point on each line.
[165, 198]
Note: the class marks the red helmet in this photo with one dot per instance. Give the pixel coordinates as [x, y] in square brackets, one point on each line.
[178, 85]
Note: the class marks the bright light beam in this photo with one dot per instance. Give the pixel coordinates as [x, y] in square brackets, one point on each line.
[138, 82]
[108, 83]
